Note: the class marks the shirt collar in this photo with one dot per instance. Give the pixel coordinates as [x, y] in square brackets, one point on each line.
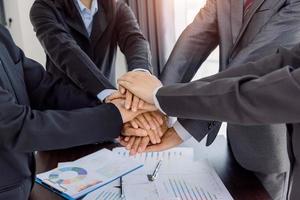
[82, 8]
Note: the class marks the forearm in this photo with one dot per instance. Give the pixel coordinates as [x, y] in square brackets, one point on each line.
[248, 100]
[26, 130]
[131, 40]
[192, 48]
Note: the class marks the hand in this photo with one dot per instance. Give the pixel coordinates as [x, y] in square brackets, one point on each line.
[126, 114]
[169, 140]
[140, 84]
[131, 101]
[135, 144]
[154, 122]
[135, 104]
[138, 144]
[149, 120]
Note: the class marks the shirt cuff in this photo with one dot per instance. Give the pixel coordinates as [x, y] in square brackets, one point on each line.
[156, 103]
[105, 93]
[181, 131]
[141, 69]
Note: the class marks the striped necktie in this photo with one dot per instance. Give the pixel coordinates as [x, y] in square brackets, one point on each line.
[247, 5]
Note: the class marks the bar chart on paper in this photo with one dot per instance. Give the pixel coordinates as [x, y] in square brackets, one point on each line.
[183, 189]
[104, 194]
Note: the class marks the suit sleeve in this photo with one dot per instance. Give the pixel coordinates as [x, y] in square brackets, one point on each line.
[64, 52]
[24, 129]
[131, 40]
[193, 47]
[265, 92]
[196, 42]
[36, 127]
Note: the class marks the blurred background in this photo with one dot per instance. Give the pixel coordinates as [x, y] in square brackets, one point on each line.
[173, 16]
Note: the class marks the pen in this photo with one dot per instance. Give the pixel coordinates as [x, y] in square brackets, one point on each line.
[121, 188]
[155, 173]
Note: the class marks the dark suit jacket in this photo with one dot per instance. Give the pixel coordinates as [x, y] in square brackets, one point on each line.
[264, 92]
[89, 61]
[35, 114]
[268, 25]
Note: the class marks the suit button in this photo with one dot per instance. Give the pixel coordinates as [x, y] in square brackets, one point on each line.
[209, 125]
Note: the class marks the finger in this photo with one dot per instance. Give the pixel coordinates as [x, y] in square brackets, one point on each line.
[157, 137]
[115, 95]
[130, 143]
[128, 100]
[152, 137]
[143, 144]
[138, 132]
[158, 117]
[140, 124]
[123, 143]
[125, 84]
[122, 90]
[135, 146]
[135, 103]
[141, 104]
[150, 121]
[160, 132]
[144, 122]
[134, 123]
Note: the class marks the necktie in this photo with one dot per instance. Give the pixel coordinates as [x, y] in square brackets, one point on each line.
[247, 5]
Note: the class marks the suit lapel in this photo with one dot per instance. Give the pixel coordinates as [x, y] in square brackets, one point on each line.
[100, 23]
[13, 76]
[246, 21]
[74, 22]
[236, 18]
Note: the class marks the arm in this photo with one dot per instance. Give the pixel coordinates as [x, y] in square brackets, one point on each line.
[131, 40]
[195, 44]
[63, 50]
[26, 130]
[268, 93]
[47, 92]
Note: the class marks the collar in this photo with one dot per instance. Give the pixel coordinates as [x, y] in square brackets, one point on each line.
[83, 8]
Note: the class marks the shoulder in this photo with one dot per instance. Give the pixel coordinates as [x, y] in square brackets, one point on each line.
[7, 41]
[44, 6]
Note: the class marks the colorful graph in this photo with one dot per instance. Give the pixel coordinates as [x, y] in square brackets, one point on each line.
[59, 176]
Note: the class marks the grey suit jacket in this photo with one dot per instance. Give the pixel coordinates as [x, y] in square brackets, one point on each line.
[263, 92]
[35, 114]
[268, 24]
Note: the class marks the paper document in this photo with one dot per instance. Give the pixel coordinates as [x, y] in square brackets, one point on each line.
[179, 178]
[202, 185]
[75, 179]
[168, 155]
[108, 192]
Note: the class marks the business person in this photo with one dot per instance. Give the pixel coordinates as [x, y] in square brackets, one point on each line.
[257, 93]
[245, 31]
[80, 38]
[39, 112]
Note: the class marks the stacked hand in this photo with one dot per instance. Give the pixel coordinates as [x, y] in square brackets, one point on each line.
[145, 128]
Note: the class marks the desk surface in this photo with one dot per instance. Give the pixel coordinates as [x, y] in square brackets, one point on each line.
[241, 184]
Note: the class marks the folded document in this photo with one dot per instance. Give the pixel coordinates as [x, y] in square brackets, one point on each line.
[75, 179]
